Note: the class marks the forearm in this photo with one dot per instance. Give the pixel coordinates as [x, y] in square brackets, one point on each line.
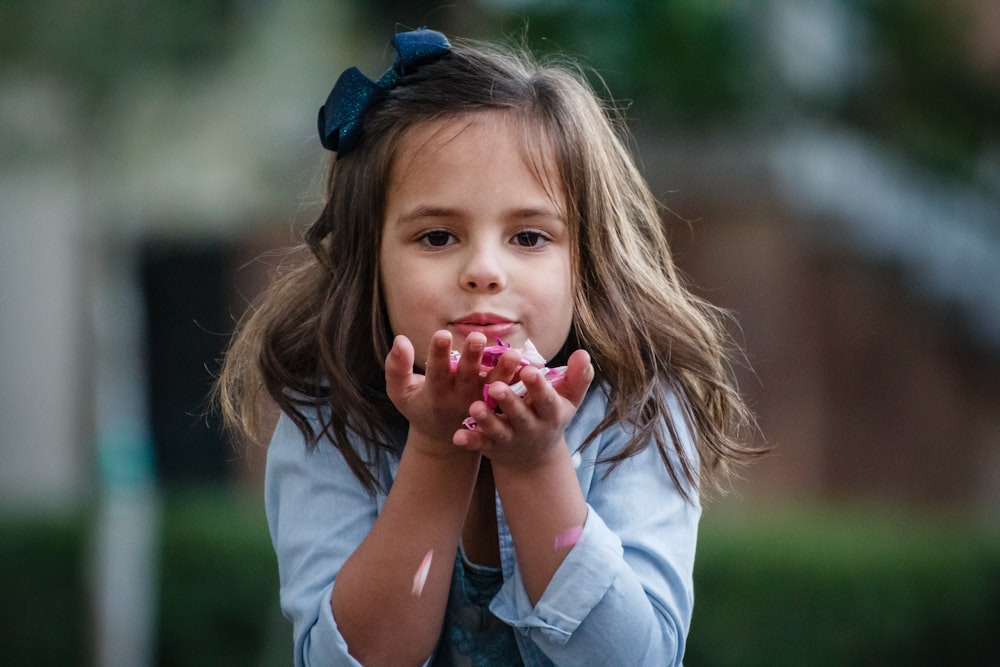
[540, 506]
[373, 595]
[623, 593]
[597, 610]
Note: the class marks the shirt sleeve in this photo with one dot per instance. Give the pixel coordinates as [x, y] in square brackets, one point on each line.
[624, 593]
[317, 513]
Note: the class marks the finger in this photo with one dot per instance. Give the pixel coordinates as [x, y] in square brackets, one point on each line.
[438, 366]
[471, 440]
[579, 375]
[470, 362]
[490, 427]
[541, 395]
[399, 366]
[516, 412]
[506, 369]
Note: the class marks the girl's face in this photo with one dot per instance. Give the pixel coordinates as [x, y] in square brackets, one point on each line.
[473, 240]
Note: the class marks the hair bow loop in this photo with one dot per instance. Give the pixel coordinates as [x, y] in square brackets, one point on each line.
[353, 94]
[418, 47]
[340, 118]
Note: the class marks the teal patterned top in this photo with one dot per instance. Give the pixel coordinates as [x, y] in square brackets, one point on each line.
[472, 636]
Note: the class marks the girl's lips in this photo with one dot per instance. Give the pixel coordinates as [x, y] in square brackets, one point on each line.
[491, 326]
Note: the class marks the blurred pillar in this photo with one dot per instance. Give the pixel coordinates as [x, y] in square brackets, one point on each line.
[125, 545]
[43, 415]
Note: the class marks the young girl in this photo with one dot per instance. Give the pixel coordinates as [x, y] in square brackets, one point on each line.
[477, 197]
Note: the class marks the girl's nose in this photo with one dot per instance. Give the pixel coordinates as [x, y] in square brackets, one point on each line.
[484, 272]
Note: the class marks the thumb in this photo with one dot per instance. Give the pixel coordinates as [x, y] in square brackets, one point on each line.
[579, 375]
[399, 376]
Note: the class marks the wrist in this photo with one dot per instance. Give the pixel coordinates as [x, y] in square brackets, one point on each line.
[436, 475]
[555, 469]
[437, 448]
[535, 463]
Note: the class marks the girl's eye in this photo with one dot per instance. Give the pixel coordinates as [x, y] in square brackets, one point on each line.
[529, 239]
[436, 239]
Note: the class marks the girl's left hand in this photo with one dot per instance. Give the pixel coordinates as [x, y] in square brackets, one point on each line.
[528, 433]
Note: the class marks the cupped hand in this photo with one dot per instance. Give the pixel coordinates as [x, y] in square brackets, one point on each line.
[436, 402]
[529, 430]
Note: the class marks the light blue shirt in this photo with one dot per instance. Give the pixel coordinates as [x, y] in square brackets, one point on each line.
[622, 596]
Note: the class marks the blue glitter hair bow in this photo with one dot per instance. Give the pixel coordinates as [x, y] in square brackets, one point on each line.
[354, 93]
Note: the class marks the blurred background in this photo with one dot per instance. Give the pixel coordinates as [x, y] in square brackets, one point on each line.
[830, 171]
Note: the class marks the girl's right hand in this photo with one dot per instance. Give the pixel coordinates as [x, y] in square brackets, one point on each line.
[436, 402]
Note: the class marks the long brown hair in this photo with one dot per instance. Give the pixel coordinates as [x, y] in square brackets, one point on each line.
[315, 342]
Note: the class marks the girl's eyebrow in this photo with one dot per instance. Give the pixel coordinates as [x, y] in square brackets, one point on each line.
[422, 212]
[540, 212]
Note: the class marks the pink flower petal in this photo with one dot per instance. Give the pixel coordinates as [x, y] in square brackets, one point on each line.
[492, 353]
[420, 578]
[487, 399]
[530, 355]
[567, 538]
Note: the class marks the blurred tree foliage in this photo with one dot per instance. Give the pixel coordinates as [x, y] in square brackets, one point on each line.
[683, 59]
[925, 95]
[94, 46]
[706, 64]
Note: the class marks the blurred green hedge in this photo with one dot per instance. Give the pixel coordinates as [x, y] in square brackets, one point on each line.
[809, 587]
[218, 592]
[43, 618]
[857, 586]
[219, 584]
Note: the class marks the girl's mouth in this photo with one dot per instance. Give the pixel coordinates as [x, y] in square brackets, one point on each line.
[490, 325]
